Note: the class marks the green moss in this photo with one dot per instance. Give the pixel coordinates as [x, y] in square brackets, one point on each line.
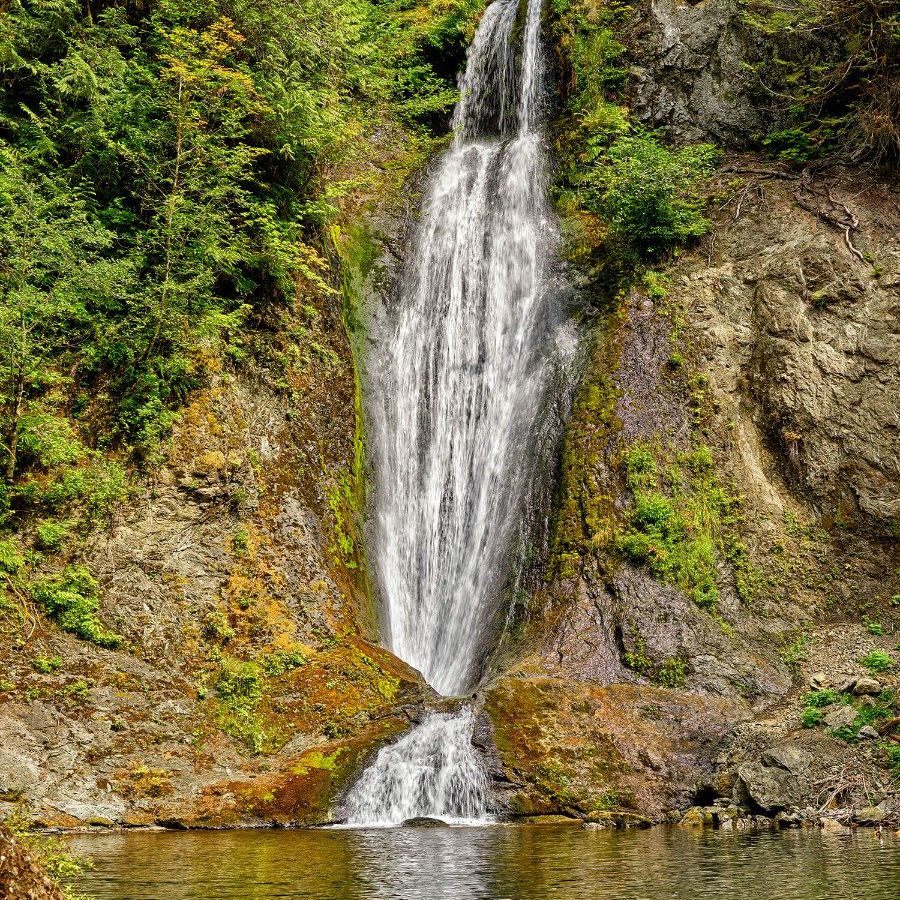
[341, 497]
[683, 522]
[671, 672]
[585, 519]
[45, 665]
[316, 759]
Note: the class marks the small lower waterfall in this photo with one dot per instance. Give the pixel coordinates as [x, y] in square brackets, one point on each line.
[432, 771]
[454, 392]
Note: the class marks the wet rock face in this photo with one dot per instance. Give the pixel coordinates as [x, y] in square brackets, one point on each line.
[690, 76]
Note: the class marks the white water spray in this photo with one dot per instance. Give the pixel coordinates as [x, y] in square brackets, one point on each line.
[455, 389]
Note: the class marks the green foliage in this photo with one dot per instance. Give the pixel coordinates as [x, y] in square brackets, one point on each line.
[216, 627]
[52, 534]
[239, 688]
[671, 672]
[640, 467]
[811, 717]
[280, 662]
[878, 661]
[819, 699]
[892, 758]
[796, 651]
[11, 559]
[72, 598]
[167, 172]
[790, 145]
[623, 194]
[649, 193]
[51, 854]
[874, 628]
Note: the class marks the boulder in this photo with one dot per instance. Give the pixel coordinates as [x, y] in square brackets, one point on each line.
[777, 781]
[867, 686]
[424, 822]
[840, 717]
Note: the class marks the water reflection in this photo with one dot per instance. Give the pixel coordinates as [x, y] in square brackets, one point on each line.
[494, 862]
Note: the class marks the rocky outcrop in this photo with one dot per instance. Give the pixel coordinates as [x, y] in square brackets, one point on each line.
[797, 317]
[691, 73]
[776, 347]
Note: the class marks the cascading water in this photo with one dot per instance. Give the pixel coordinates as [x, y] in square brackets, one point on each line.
[455, 390]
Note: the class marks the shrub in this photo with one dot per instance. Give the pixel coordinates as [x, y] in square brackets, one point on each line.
[11, 559]
[281, 661]
[239, 687]
[45, 665]
[71, 599]
[239, 682]
[216, 627]
[50, 440]
[878, 661]
[95, 489]
[650, 194]
[51, 534]
[672, 672]
[819, 699]
[811, 717]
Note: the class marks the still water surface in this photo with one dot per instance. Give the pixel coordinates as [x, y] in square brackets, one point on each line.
[494, 862]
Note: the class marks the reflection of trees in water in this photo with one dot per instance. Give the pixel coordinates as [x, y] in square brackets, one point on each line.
[490, 863]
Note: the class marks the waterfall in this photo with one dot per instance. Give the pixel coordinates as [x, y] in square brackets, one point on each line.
[455, 389]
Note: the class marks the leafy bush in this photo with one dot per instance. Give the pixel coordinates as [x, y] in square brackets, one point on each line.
[52, 534]
[811, 717]
[93, 490]
[11, 559]
[650, 193]
[49, 439]
[818, 699]
[71, 599]
[878, 661]
[239, 687]
[672, 673]
[660, 537]
[216, 627]
[239, 682]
